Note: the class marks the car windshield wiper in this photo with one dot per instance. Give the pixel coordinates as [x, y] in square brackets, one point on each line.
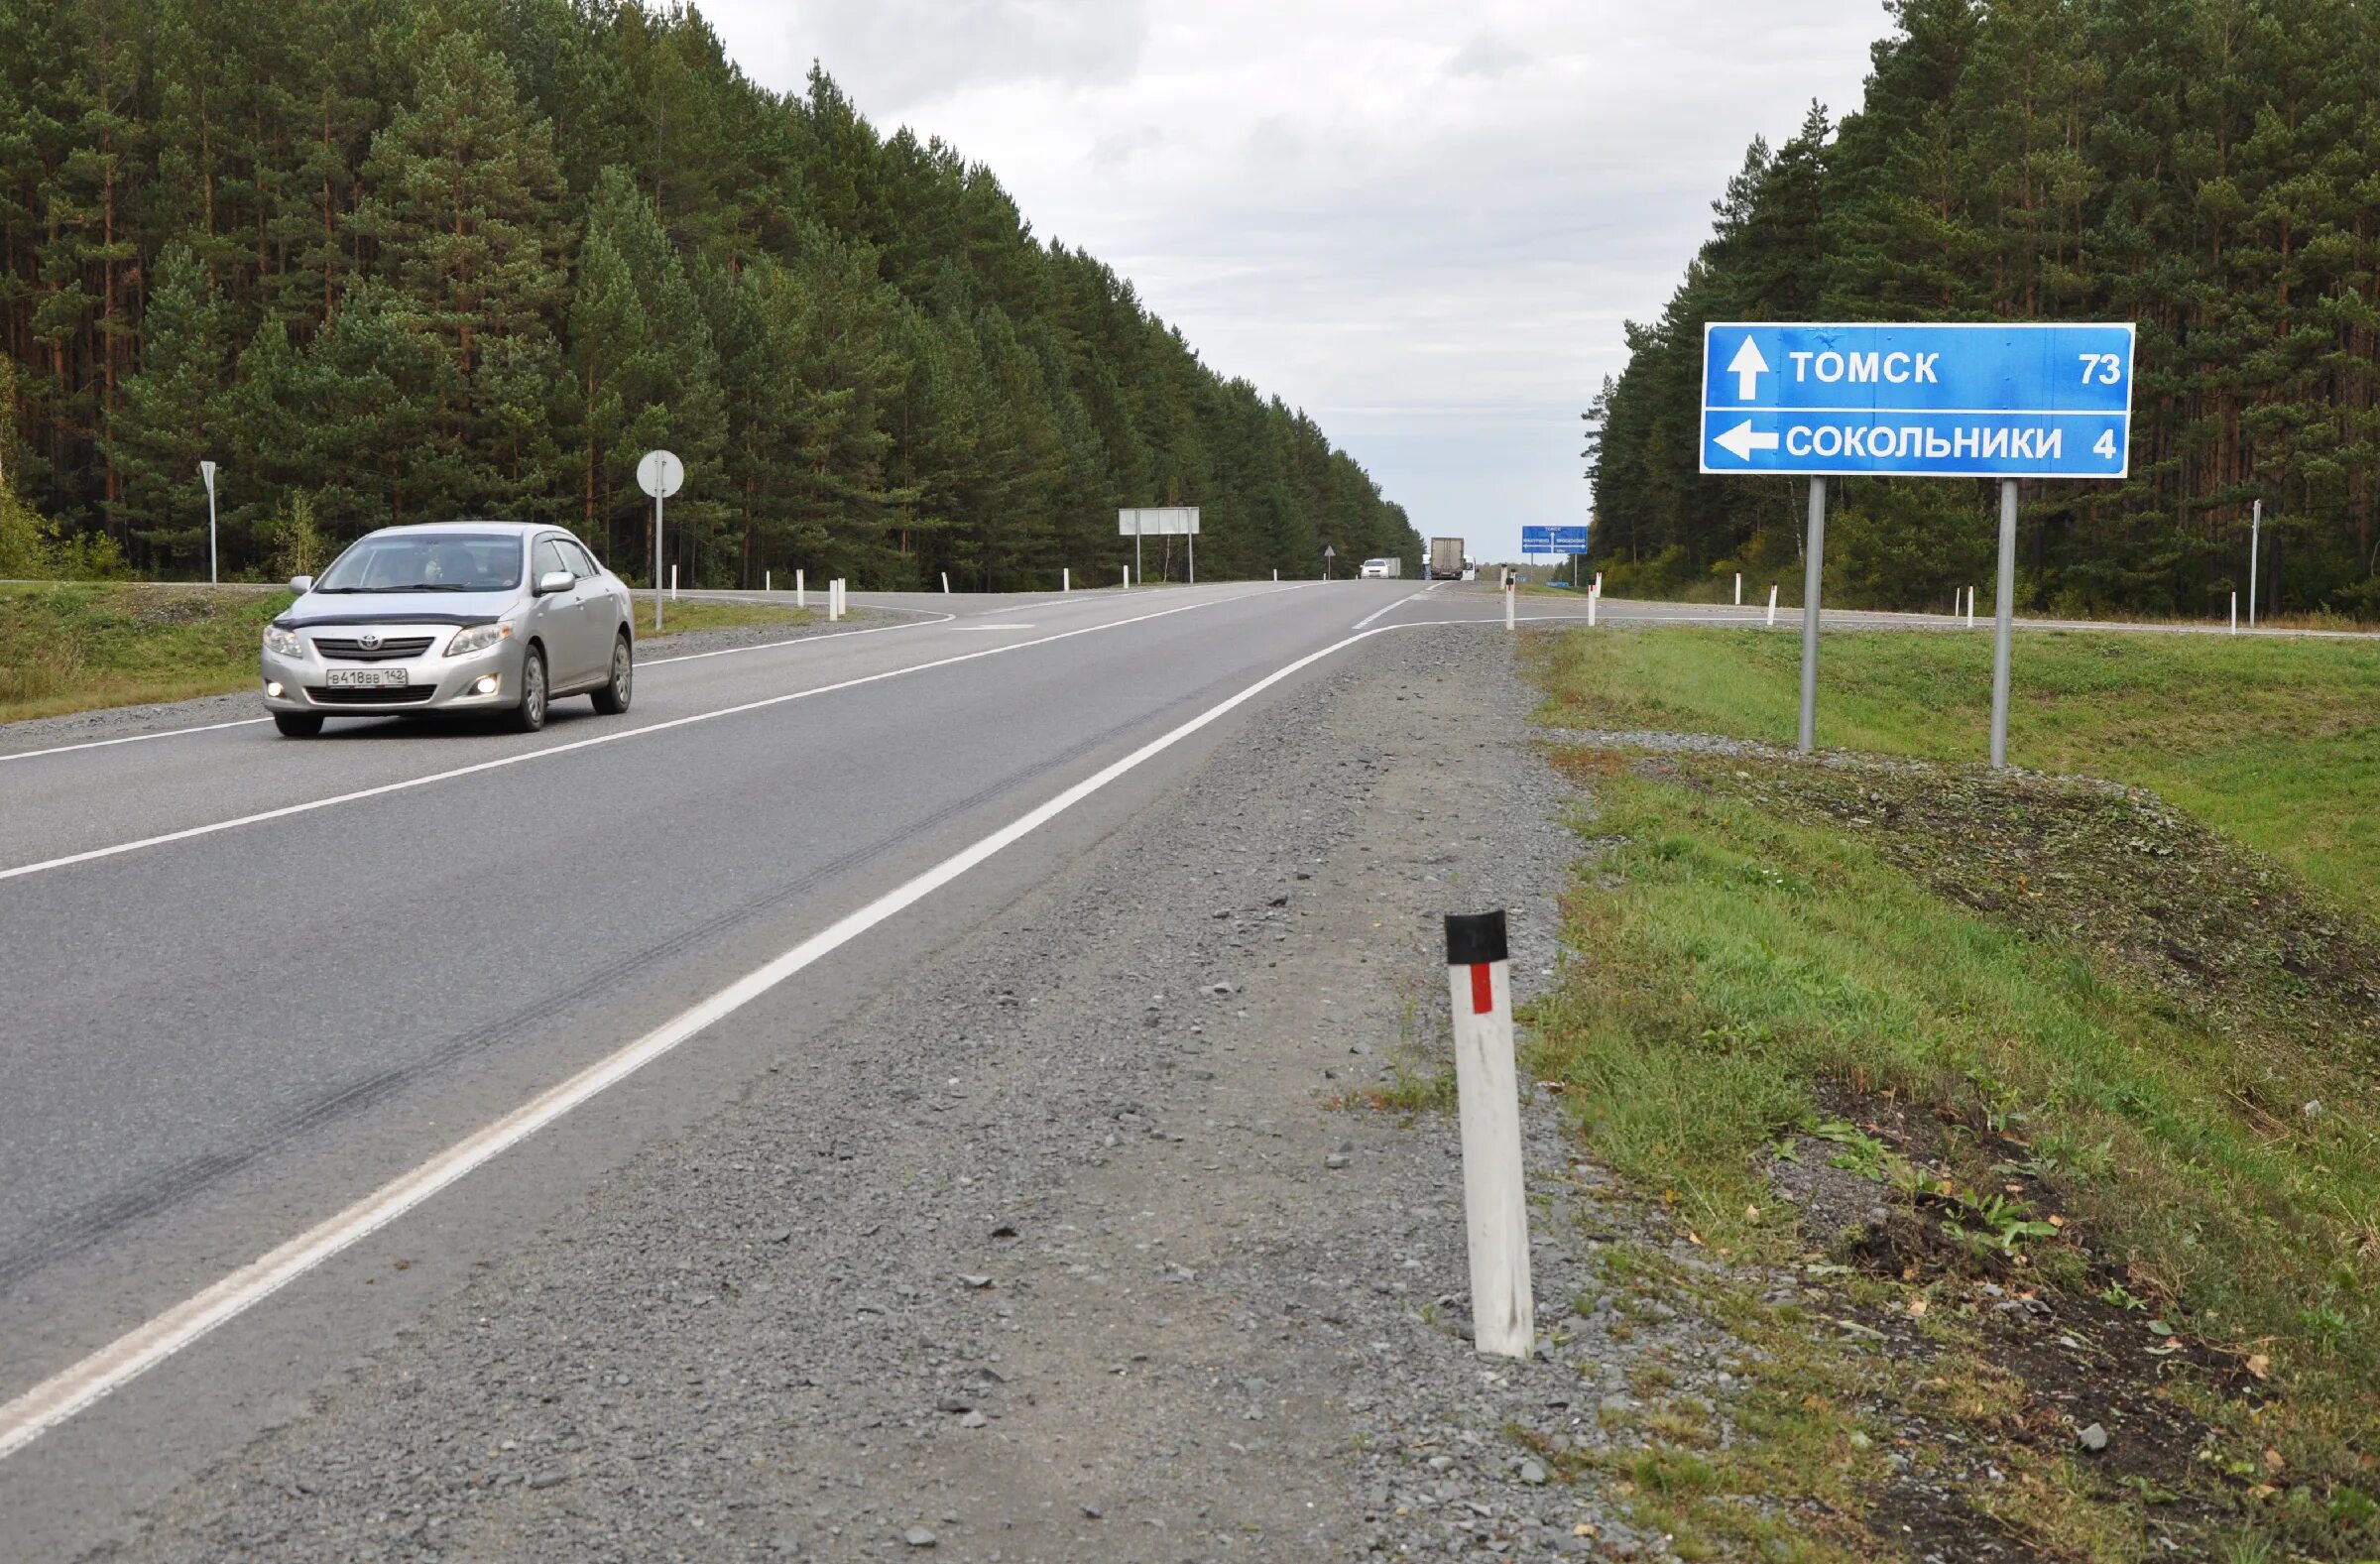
[415, 586]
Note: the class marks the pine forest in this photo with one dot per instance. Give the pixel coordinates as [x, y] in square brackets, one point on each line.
[2208, 169]
[410, 260]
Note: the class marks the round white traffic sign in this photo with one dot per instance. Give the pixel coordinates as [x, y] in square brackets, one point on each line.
[660, 473]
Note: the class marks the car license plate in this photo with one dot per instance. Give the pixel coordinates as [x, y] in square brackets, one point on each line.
[367, 678]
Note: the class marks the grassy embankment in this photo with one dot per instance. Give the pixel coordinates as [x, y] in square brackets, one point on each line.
[2074, 1002]
[77, 646]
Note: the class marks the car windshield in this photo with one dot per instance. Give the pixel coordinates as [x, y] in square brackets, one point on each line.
[427, 563]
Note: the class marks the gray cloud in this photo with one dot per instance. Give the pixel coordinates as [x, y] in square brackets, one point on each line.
[1487, 55]
[893, 53]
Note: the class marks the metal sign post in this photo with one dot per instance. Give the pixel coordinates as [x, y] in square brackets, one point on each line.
[2255, 536]
[1327, 554]
[206, 475]
[2003, 621]
[2004, 401]
[659, 474]
[1813, 555]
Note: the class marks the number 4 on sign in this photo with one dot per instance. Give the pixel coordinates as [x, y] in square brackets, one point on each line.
[2106, 445]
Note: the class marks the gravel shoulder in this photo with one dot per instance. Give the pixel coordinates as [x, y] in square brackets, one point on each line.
[1090, 1244]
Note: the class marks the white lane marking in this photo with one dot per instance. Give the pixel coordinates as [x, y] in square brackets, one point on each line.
[410, 782]
[1000, 627]
[133, 738]
[1391, 607]
[797, 641]
[70, 1391]
[643, 662]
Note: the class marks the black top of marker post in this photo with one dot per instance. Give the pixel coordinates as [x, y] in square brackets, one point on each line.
[1474, 937]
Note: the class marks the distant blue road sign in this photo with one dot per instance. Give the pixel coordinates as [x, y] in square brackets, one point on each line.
[1989, 400]
[1553, 540]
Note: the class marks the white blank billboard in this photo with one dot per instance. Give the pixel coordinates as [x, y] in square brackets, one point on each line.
[1159, 522]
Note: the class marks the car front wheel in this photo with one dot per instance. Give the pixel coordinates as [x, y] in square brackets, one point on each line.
[298, 724]
[612, 698]
[530, 715]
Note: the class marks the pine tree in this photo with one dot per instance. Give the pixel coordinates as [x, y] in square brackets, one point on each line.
[464, 218]
[172, 413]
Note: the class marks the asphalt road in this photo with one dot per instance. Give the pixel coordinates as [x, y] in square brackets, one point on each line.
[249, 979]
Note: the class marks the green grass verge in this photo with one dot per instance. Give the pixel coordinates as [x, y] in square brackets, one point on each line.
[2276, 743]
[690, 614]
[71, 646]
[78, 645]
[1759, 929]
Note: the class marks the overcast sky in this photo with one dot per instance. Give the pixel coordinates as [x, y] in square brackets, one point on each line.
[1423, 223]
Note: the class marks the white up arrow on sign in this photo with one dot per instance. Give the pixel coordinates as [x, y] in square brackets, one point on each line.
[1748, 366]
[1741, 439]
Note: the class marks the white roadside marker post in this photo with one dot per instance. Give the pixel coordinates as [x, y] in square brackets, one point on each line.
[1970, 608]
[766, 576]
[1065, 578]
[2235, 613]
[801, 595]
[946, 583]
[1593, 601]
[1509, 593]
[1127, 576]
[1739, 588]
[1495, 1211]
[1772, 605]
[673, 583]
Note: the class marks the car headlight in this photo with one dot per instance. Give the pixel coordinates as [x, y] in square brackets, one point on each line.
[477, 637]
[284, 641]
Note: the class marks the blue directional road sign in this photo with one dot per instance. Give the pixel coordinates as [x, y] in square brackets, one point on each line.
[1553, 540]
[1989, 400]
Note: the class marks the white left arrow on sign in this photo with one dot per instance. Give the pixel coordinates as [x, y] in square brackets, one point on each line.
[1748, 366]
[1742, 442]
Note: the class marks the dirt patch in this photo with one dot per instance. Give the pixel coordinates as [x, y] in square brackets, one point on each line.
[2042, 1385]
[187, 608]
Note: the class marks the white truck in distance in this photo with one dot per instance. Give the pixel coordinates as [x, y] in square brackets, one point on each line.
[1445, 559]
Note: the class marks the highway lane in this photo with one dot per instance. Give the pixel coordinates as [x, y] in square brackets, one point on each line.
[149, 1049]
[213, 1041]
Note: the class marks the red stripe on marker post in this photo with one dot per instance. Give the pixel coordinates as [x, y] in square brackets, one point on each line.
[1487, 1098]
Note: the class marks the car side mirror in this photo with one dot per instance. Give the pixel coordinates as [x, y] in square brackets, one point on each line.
[556, 581]
[301, 583]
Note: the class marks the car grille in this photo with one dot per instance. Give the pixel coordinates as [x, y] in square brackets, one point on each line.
[348, 649]
[401, 695]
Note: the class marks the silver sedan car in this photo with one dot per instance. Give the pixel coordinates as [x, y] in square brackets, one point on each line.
[453, 617]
